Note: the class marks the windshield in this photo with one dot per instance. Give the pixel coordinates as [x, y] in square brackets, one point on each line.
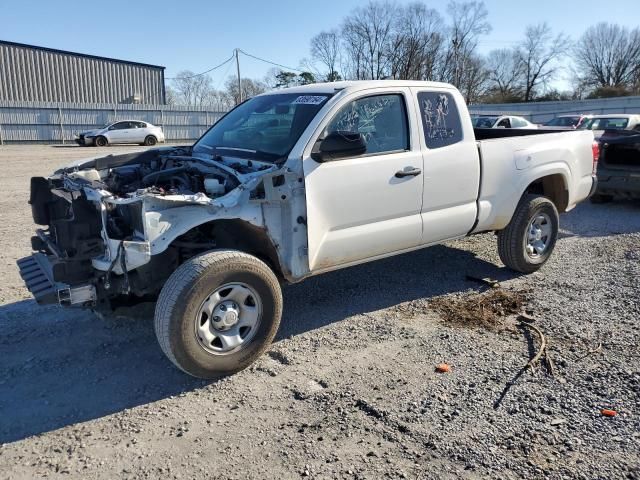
[604, 123]
[484, 122]
[563, 122]
[264, 128]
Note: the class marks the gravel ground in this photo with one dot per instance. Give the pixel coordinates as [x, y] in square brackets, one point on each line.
[349, 388]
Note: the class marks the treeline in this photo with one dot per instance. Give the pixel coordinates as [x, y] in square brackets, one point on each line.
[414, 41]
[385, 40]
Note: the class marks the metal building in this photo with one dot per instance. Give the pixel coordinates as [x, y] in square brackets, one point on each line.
[29, 73]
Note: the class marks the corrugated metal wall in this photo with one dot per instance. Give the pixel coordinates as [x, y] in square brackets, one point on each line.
[539, 112]
[39, 74]
[55, 122]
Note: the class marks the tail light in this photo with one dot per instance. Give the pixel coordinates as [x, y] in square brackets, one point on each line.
[595, 149]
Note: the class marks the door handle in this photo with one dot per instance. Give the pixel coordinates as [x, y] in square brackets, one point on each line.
[408, 172]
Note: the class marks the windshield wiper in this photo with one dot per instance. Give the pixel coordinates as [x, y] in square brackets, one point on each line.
[270, 156]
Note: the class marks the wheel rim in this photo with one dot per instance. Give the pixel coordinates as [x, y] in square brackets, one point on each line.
[228, 319]
[539, 234]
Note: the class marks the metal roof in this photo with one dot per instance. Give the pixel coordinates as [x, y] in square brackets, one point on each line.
[84, 55]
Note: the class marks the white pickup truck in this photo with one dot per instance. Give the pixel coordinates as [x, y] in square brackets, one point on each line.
[290, 184]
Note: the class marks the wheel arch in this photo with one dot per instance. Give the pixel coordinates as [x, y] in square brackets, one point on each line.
[553, 186]
[235, 234]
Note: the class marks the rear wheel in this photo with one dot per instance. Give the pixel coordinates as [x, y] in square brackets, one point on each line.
[529, 239]
[101, 141]
[150, 140]
[217, 313]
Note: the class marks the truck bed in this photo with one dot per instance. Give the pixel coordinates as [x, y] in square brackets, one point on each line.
[509, 159]
[491, 133]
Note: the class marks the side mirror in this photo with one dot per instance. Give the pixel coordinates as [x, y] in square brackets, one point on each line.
[338, 145]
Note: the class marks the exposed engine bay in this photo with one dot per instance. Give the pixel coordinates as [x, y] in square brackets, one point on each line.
[121, 224]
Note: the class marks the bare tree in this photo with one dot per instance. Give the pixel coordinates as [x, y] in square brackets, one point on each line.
[170, 96]
[474, 79]
[468, 24]
[539, 55]
[250, 88]
[608, 56]
[505, 69]
[416, 42]
[325, 48]
[191, 89]
[367, 34]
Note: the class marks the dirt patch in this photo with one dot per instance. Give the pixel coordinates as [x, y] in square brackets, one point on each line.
[487, 309]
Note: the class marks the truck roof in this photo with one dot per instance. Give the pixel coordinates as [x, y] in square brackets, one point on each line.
[356, 85]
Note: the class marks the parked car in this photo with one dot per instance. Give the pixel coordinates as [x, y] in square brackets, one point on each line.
[601, 123]
[618, 166]
[123, 131]
[348, 172]
[566, 122]
[502, 121]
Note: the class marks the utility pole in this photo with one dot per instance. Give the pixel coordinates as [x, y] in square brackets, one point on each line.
[238, 70]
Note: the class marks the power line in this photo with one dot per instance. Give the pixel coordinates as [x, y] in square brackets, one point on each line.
[205, 72]
[224, 76]
[269, 61]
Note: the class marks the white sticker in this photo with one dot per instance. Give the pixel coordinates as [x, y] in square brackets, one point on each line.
[309, 100]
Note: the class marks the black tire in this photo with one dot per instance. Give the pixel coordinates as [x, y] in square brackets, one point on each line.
[101, 141]
[601, 198]
[182, 296]
[150, 141]
[512, 241]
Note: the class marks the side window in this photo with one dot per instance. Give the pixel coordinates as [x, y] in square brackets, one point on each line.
[440, 119]
[518, 123]
[504, 123]
[140, 125]
[381, 119]
[120, 126]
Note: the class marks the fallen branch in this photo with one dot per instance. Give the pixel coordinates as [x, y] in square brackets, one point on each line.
[542, 351]
[598, 349]
[487, 281]
[543, 345]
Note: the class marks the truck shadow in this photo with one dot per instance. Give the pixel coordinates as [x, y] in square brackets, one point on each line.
[60, 367]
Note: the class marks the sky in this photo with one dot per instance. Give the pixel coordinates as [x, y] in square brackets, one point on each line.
[197, 35]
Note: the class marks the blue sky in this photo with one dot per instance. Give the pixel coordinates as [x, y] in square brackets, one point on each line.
[197, 35]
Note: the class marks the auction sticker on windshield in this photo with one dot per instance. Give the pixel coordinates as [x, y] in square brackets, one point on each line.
[309, 99]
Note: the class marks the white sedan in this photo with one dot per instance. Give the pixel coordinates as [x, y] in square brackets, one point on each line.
[123, 131]
[502, 121]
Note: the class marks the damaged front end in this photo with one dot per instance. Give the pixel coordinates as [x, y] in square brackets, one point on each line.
[116, 227]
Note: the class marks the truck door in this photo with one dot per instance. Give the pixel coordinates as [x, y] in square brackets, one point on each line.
[451, 165]
[369, 205]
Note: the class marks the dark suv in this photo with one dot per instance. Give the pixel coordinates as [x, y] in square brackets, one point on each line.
[618, 166]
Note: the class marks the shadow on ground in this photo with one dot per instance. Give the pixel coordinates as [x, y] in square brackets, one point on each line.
[600, 220]
[60, 367]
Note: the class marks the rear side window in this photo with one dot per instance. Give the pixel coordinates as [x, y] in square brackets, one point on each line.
[440, 119]
[518, 123]
[381, 119]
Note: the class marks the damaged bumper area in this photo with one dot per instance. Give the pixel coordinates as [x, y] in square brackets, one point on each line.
[118, 226]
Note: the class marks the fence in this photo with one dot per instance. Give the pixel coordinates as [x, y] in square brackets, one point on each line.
[50, 122]
[54, 122]
[539, 112]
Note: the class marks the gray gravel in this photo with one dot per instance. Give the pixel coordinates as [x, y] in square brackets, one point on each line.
[349, 388]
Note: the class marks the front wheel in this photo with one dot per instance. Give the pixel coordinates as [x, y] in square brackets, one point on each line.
[218, 312]
[527, 242]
